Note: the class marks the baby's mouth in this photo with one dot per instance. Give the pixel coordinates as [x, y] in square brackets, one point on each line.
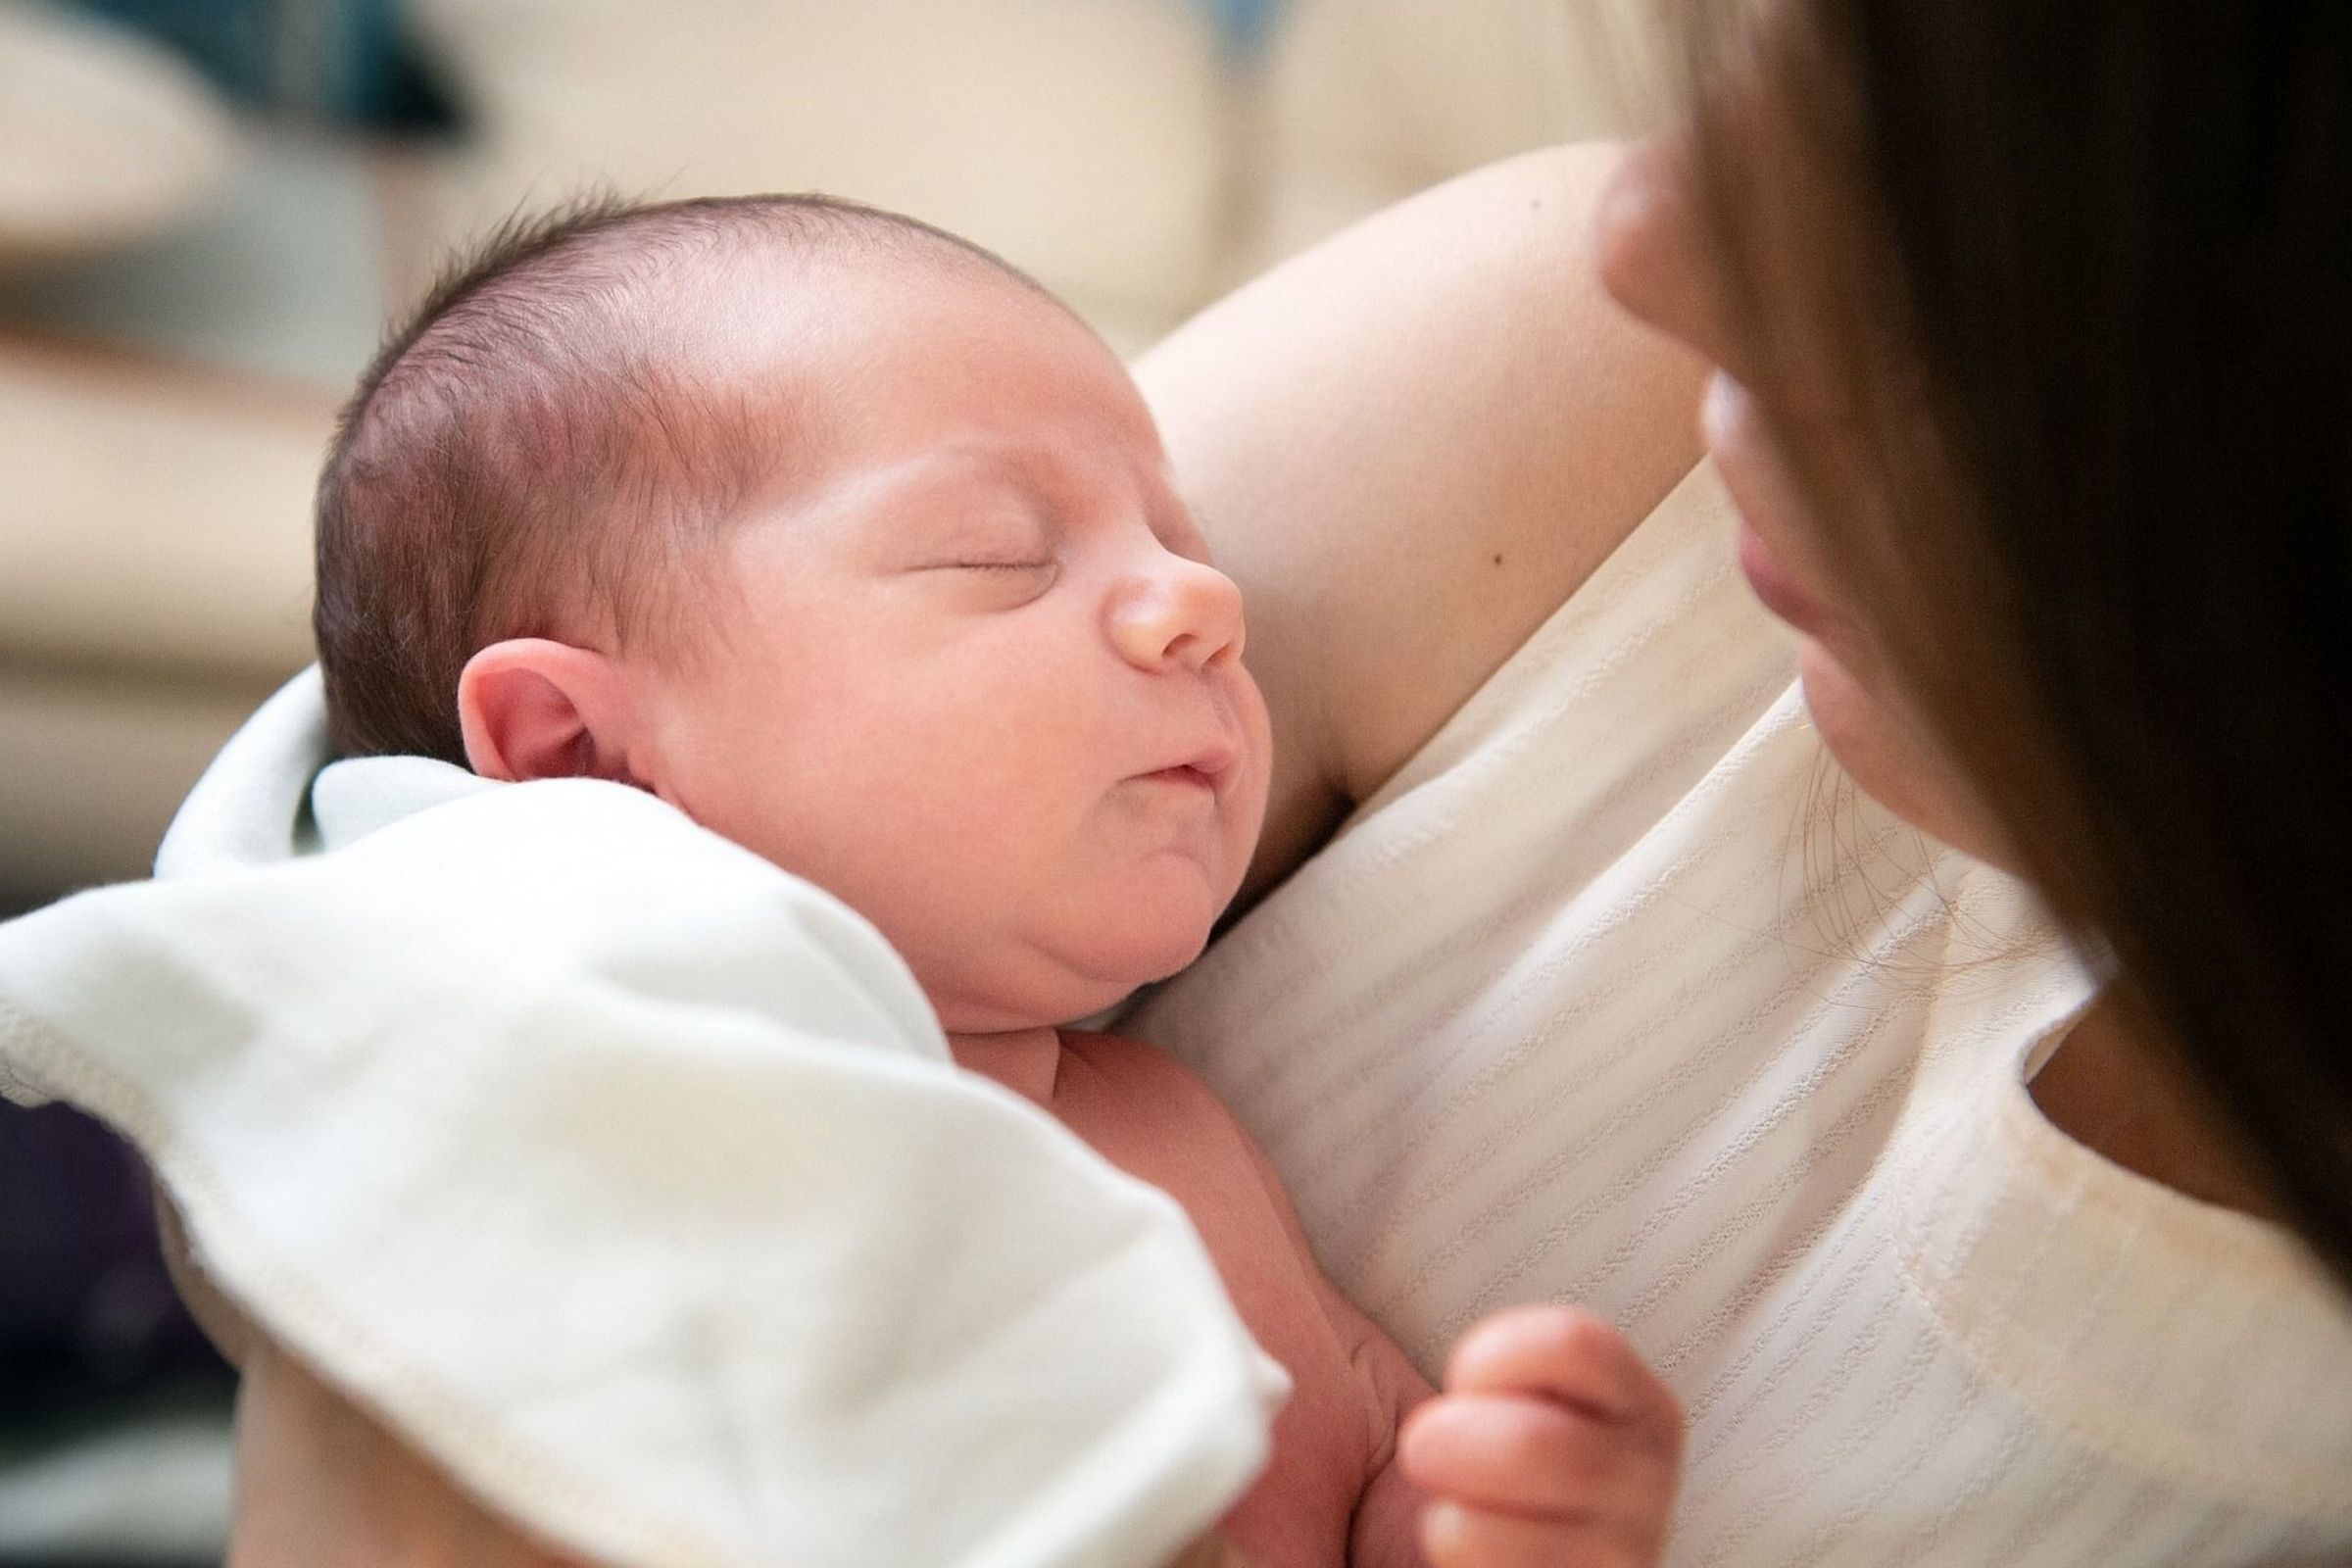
[1184, 773]
[1206, 770]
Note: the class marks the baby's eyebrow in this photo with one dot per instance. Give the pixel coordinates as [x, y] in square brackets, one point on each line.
[994, 480]
[956, 464]
[1049, 488]
[937, 501]
[921, 480]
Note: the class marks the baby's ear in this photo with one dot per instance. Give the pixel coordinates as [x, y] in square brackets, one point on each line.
[531, 708]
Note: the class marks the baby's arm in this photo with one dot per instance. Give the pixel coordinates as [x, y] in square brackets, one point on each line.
[1552, 1444]
[1386, 1532]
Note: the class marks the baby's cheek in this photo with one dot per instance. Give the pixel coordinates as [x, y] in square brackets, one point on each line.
[1248, 813]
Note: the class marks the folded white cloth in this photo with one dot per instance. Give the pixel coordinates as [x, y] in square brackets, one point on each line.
[630, 1177]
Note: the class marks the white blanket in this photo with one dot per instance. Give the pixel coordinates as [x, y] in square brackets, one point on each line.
[628, 1176]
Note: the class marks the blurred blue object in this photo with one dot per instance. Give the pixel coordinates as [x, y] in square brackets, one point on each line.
[1245, 23]
[346, 61]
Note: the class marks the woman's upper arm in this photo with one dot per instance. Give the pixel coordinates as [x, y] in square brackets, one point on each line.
[1408, 446]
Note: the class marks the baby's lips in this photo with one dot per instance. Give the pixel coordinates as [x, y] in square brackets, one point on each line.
[1207, 765]
[1182, 773]
[1215, 763]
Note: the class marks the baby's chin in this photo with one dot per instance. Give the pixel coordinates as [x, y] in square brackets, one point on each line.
[1059, 982]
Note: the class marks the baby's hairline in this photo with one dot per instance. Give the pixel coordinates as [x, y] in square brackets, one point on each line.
[435, 538]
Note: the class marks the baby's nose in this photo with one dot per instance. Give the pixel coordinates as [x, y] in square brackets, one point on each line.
[1184, 613]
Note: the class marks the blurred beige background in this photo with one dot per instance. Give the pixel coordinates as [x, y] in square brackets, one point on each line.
[188, 289]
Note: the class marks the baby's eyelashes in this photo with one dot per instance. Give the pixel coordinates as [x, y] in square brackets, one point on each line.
[998, 565]
[993, 582]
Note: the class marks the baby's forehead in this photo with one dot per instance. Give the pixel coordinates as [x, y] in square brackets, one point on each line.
[824, 345]
[891, 397]
[829, 297]
[964, 379]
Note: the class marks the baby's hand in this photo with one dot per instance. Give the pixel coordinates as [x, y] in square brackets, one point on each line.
[1553, 1445]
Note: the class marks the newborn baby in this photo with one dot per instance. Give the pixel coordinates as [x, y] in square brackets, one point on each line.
[852, 543]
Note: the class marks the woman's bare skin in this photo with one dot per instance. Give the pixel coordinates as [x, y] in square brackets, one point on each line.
[1403, 504]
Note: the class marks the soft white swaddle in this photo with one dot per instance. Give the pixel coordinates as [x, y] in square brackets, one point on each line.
[630, 1178]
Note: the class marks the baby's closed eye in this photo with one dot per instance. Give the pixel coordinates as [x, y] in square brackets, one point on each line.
[991, 578]
[1044, 564]
[1014, 546]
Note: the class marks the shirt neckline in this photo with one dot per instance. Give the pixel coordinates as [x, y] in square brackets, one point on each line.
[2189, 1340]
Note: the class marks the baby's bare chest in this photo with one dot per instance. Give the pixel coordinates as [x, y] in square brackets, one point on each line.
[1156, 1121]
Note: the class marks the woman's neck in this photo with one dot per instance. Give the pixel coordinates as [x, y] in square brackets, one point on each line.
[2125, 1100]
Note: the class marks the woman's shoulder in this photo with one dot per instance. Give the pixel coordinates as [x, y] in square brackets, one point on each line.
[1408, 446]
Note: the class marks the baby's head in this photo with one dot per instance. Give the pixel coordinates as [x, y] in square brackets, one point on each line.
[838, 534]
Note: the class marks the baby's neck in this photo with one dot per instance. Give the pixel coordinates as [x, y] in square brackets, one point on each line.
[1024, 1060]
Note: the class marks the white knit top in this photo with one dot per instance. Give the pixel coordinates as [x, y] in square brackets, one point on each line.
[1620, 993]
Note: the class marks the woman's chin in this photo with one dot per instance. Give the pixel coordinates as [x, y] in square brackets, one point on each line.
[1889, 757]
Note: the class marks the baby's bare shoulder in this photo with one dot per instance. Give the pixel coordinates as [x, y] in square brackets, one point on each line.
[1181, 1107]
[1129, 1056]
[1111, 1085]
[1148, 1074]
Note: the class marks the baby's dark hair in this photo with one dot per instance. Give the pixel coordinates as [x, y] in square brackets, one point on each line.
[527, 454]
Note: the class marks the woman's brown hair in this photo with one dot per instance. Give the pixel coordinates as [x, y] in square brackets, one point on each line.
[2082, 277]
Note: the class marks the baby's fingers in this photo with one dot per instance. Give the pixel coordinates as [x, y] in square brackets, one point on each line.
[1535, 1456]
[1572, 1355]
[1553, 1444]
[1457, 1537]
